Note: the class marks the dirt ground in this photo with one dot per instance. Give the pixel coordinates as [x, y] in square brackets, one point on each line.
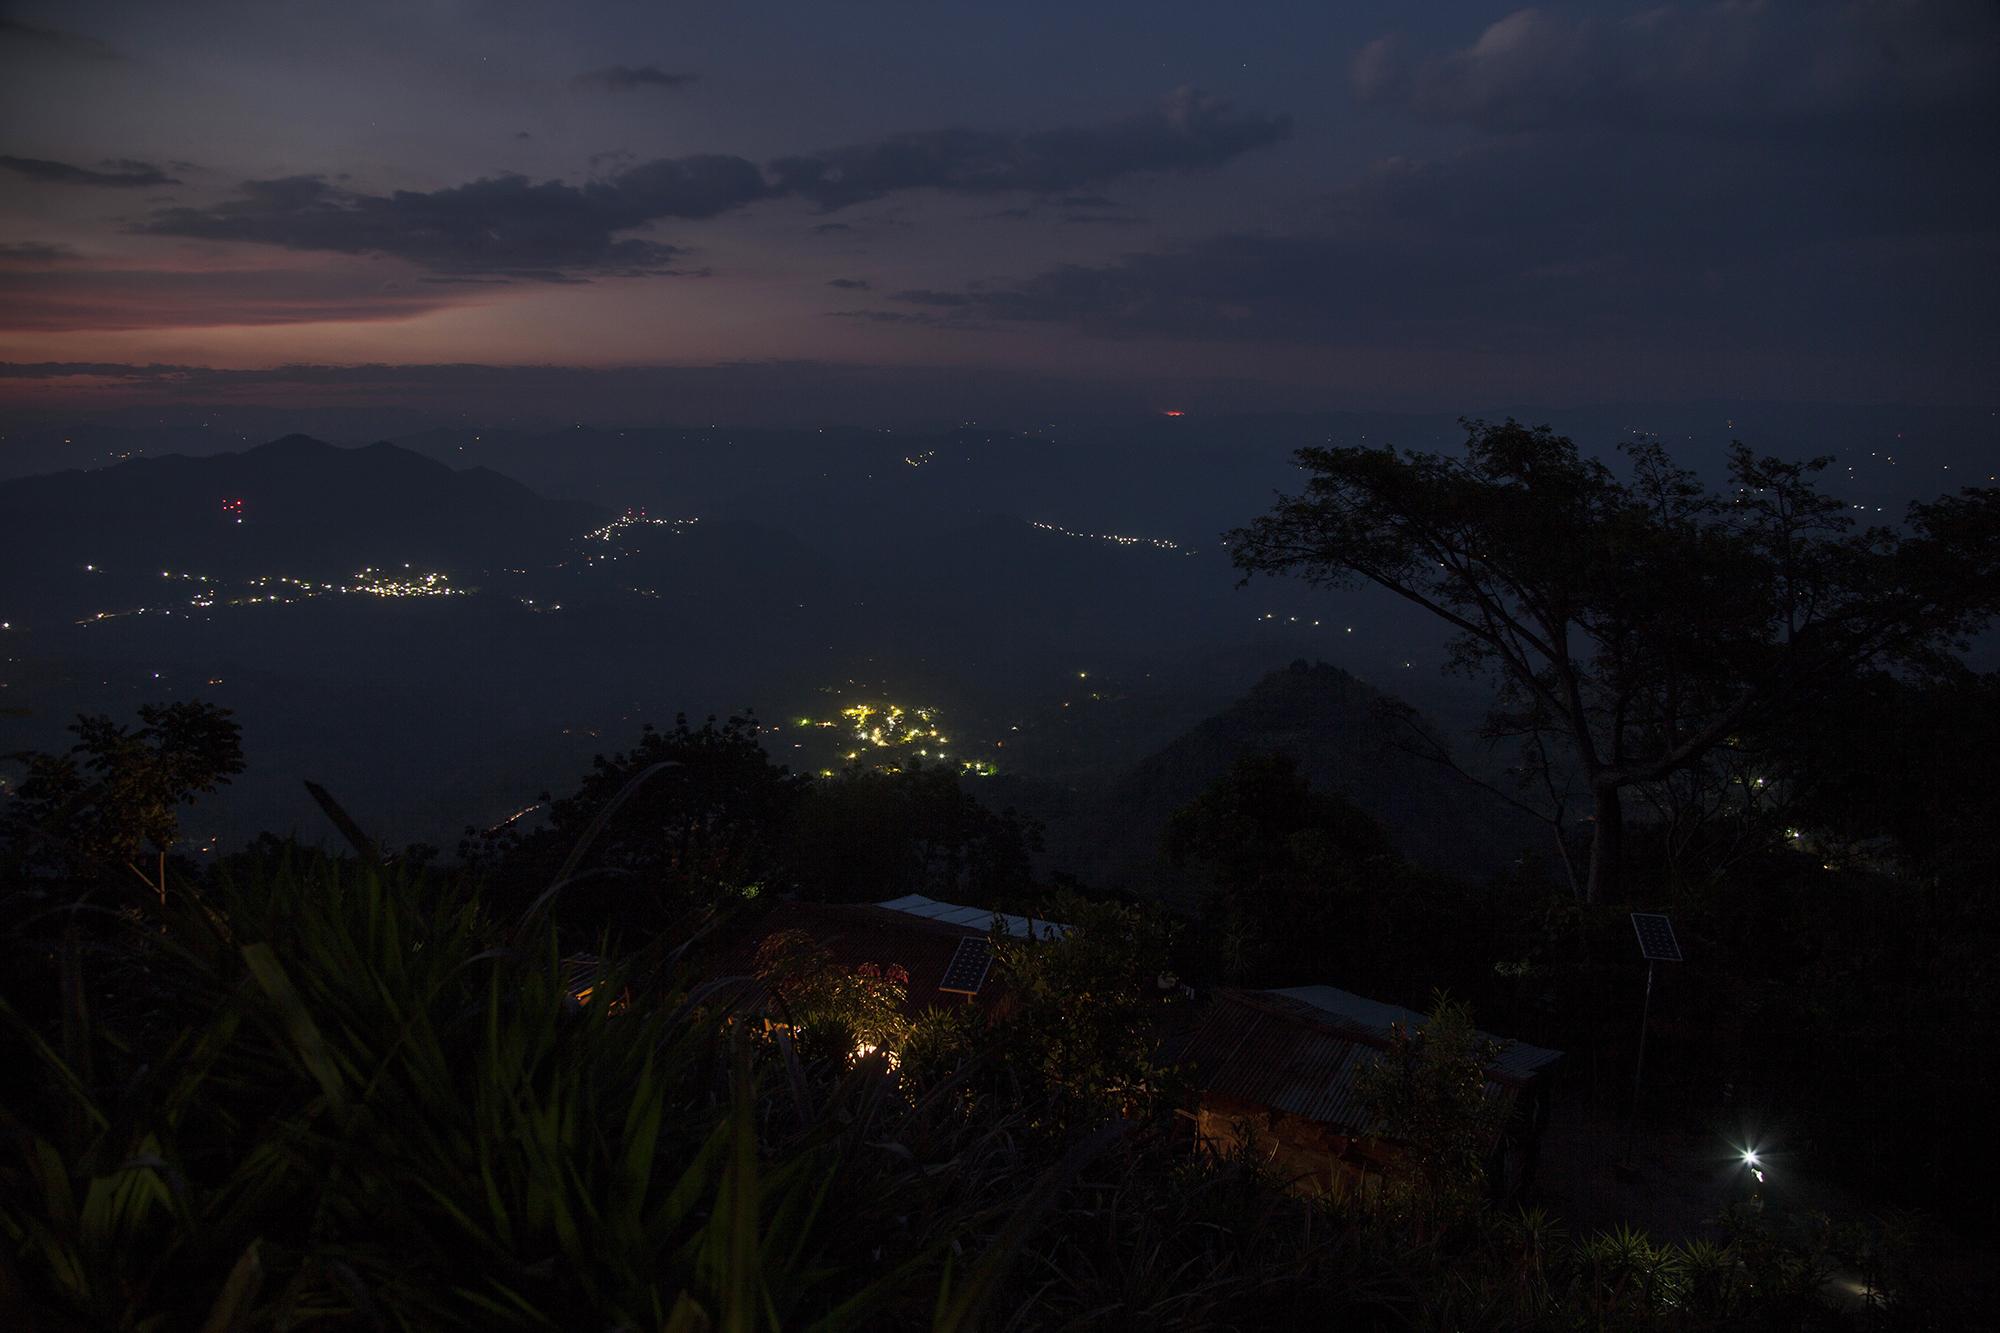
[1680, 1179]
[1677, 1183]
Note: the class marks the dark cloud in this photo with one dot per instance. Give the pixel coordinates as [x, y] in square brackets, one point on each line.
[1189, 131]
[125, 172]
[510, 225]
[686, 187]
[522, 134]
[35, 252]
[625, 78]
[54, 41]
[504, 225]
[850, 284]
[1707, 188]
[1069, 208]
[1223, 288]
[1711, 256]
[945, 300]
[1772, 67]
[831, 228]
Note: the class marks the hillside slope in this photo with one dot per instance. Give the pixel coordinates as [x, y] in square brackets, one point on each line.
[74, 542]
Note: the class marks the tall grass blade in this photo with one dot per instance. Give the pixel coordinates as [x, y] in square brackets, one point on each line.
[232, 1310]
[307, 1039]
[967, 1303]
[341, 820]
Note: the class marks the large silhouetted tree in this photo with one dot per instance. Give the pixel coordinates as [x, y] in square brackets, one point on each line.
[117, 793]
[685, 818]
[1279, 866]
[1634, 623]
[868, 835]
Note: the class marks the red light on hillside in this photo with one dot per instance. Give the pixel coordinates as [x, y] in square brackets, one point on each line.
[233, 507]
[1173, 412]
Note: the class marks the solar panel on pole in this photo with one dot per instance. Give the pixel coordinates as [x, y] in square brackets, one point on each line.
[1656, 938]
[1656, 945]
[966, 972]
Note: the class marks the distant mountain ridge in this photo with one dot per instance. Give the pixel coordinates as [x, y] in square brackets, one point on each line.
[1328, 720]
[296, 507]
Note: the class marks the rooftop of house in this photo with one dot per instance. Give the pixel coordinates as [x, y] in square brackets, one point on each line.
[981, 919]
[1374, 1017]
[942, 946]
[1300, 1050]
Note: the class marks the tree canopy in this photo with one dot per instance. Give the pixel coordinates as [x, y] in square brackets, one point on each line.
[118, 792]
[871, 834]
[1632, 624]
[683, 818]
[1087, 1008]
[696, 816]
[1427, 1094]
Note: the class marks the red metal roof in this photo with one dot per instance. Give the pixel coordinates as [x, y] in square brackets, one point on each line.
[1274, 1050]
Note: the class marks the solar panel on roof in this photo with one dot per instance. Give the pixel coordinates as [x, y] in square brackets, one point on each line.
[1656, 938]
[966, 972]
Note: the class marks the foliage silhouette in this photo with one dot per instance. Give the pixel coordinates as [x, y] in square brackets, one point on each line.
[1635, 624]
[118, 792]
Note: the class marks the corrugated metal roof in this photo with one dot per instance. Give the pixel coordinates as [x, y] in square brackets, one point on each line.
[1516, 1057]
[1277, 1049]
[858, 933]
[974, 918]
[1243, 1050]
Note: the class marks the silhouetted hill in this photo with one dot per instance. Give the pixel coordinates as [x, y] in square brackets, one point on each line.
[844, 482]
[295, 507]
[1328, 721]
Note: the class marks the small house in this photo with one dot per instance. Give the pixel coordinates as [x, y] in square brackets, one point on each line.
[1275, 1072]
[942, 949]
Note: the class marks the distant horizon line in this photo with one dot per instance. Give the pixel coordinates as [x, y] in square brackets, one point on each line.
[732, 392]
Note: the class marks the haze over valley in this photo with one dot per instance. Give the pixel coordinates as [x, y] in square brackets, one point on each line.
[442, 627]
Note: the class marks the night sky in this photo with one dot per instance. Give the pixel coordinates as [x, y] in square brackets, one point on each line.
[1343, 204]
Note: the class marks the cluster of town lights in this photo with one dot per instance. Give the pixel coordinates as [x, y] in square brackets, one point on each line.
[283, 590]
[378, 584]
[891, 726]
[886, 725]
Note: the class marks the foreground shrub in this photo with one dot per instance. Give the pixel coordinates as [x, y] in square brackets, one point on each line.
[330, 1096]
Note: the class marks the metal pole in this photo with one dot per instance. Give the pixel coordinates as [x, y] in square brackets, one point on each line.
[1639, 1070]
